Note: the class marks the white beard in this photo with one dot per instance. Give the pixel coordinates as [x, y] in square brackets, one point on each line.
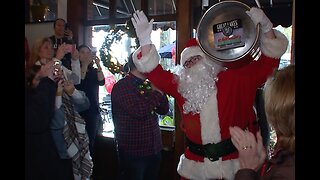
[197, 83]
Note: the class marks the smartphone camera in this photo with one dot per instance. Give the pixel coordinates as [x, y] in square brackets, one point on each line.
[56, 63]
[69, 48]
[57, 66]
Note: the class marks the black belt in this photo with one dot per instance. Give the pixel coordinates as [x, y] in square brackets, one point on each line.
[212, 151]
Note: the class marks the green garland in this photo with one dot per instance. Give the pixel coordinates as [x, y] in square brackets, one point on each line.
[145, 87]
[114, 35]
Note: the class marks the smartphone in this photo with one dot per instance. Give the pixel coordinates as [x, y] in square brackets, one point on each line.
[70, 48]
[57, 66]
[57, 63]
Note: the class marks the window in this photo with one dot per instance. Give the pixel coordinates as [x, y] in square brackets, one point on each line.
[162, 36]
[161, 7]
[102, 15]
[285, 61]
[119, 9]
[286, 57]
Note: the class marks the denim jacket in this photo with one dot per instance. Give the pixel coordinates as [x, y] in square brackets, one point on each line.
[59, 121]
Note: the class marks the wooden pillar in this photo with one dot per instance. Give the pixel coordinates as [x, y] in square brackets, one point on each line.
[293, 33]
[76, 13]
[112, 10]
[184, 33]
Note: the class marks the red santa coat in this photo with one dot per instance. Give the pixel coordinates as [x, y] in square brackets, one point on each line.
[231, 104]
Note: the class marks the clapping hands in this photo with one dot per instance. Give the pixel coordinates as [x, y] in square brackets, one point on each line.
[252, 153]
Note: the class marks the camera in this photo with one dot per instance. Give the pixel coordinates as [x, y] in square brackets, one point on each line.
[57, 63]
[57, 66]
[69, 48]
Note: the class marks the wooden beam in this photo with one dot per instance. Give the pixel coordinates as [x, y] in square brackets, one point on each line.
[184, 33]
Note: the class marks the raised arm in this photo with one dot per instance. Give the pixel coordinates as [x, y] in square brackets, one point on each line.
[143, 29]
[272, 43]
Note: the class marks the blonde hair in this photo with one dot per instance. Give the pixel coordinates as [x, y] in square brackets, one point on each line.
[279, 96]
[34, 56]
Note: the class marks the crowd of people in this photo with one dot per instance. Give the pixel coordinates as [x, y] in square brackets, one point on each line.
[62, 114]
[223, 140]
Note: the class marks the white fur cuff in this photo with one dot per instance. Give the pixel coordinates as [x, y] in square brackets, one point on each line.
[276, 47]
[148, 61]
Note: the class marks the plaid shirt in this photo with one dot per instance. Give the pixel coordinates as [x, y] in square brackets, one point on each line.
[135, 118]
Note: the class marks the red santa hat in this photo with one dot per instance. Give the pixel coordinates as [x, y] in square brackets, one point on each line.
[192, 49]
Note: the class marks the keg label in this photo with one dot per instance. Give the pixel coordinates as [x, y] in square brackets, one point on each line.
[228, 34]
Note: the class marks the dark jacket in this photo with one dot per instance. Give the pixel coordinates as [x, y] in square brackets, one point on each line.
[280, 167]
[42, 161]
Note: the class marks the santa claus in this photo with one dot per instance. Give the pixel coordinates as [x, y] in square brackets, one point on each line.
[211, 98]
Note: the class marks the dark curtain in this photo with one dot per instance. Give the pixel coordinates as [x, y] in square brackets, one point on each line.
[279, 15]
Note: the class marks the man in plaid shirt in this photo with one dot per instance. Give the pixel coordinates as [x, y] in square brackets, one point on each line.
[135, 105]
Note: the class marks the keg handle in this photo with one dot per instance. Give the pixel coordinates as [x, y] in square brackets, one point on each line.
[258, 3]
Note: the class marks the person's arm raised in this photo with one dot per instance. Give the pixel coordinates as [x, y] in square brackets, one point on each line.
[143, 29]
[272, 42]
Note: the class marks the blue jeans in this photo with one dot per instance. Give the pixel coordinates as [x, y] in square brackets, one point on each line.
[143, 168]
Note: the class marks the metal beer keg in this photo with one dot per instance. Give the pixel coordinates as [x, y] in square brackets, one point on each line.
[227, 34]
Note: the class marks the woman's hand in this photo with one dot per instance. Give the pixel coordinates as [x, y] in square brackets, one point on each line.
[97, 62]
[252, 153]
[47, 70]
[60, 87]
[69, 87]
[75, 54]
[61, 51]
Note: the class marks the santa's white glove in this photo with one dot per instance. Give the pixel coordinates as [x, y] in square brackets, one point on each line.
[258, 16]
[143, 27]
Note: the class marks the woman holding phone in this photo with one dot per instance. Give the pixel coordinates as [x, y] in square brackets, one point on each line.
[91, 79]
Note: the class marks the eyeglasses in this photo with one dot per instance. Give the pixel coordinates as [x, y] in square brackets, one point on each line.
[191, 61]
